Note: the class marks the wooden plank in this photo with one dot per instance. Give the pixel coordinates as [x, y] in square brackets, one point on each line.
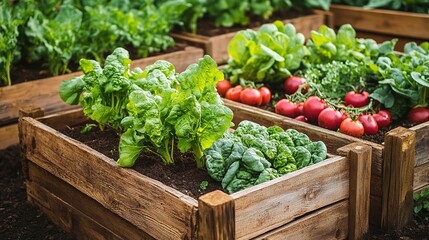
[382, 21]
[272, 204]
[422, 143]
[68, 118]
[421, 177]
[397, 203]
[333, 140]
[124, 191]
[316, 225]
[359, 156]
[54, 195]
[217, 46]
[216, 216]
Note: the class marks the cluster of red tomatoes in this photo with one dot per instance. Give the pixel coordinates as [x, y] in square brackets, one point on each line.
[316, 111]
[249, 96]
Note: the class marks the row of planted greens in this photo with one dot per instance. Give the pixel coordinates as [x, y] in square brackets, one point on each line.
[157, 110]
[57, 33]
[334, 79]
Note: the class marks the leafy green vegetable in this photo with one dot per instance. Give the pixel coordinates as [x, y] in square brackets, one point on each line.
[326, 46]
[185, 108]
[403, 80]
[12, 18]
[53, 40]
[156, 108]
[267, 55]
[241, 159]
[421, 206]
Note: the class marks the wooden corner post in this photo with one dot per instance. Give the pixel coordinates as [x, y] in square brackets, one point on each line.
[26, 111]
[359, 189]
[398, 176]
[216, 212]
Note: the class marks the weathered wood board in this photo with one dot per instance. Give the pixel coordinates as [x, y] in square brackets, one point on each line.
[44, 92]
[62, 173]
[217, 46]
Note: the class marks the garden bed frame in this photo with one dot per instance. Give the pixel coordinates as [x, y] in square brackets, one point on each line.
[382, 25]
[44, 93]
[217, 46]
[86, 193]
[400, 166]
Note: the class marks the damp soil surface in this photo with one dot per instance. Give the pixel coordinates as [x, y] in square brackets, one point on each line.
[21, 220]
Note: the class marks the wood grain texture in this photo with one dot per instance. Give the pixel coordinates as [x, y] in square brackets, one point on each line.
[272, 204]
[217, 46]
[399, 160]
[421, 177]
[8, 136]
[123, 191]
[359, 156]
[330, 222]
[391, 22]
[74, 211]
[216, 216]
[422, 143]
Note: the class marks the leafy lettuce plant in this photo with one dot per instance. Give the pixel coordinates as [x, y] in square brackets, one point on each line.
[169, 108]
[267, 55]
[404, 79]
[326, 45]
[154, 109]
[102, 92]
[52, 40]
[12, 18]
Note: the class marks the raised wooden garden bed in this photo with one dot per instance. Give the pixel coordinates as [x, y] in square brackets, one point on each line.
[44, 92]
[85, 192]
[217, 46]
[400, 166]
[382, 25]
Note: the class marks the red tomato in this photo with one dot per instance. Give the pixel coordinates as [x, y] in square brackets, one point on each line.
[330, 118]
[266, 95]
[292, 84]
[418, 115]
[356, 99]
[383, 118]
[300, 107]
[369, 124]
[234, 93]
[223, 86]
[251, 96]
[352, 128]
[286, 108]
[301, 118]
[312, 108]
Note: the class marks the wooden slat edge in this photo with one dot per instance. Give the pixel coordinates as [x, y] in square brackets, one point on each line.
[274, 203]
[421, 177]
[422, 140]
[44, 141]
[330, 222]
[359, 156]
[397, 200]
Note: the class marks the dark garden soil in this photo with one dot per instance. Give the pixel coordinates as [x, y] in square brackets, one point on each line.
[20, 220]
[24, 72]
